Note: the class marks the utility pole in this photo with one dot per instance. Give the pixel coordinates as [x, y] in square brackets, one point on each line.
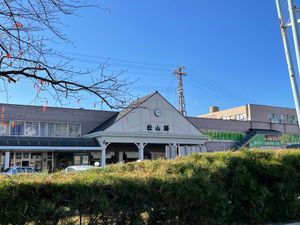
[294, 24]
[181, 103]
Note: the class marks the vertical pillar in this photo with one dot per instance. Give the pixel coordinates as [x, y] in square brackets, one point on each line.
[173, 150]
[7, 160]
[103, 146]
[103, 156]
[52, 163]
[168, 152]
[120, 157]
[203, 148]
[152, 155]
[141, 147]
[45, 161]
[198, 148]
[182, 151]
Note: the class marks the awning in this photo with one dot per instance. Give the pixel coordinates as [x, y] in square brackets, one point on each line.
[47, 143]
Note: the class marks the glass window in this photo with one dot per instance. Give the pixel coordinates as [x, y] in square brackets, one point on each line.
[61, 129]
[7, 170]
[36, 155]
[74, 130]
[85, 160]
[43, 129]
[21, 170]
[17, 127]
[29, 170]
[50, 155]
[18, 155]
[25, 155]
[51, 130]
[77, 160]
[4, 128]
[32, 129]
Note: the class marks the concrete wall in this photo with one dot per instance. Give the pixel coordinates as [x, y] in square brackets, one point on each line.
[228, 113]
[253, 113]
[216, 146]
[261, 112]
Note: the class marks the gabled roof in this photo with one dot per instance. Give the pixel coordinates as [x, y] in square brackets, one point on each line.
[89, 119]
[122, 113]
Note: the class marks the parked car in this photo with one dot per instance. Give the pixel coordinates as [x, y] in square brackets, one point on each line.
[18, 169]
[79, 168]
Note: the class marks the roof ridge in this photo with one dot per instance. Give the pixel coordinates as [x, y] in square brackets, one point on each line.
[139, 101]
[118, 116]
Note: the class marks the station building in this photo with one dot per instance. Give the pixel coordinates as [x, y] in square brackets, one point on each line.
[149, 128]
[55, 138]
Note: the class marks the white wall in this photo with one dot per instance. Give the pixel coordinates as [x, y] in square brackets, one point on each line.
[137, 120]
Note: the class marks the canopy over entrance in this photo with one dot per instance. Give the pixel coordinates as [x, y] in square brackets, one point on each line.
[149, 120]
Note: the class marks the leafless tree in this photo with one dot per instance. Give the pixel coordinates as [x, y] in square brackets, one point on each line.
[27, 30]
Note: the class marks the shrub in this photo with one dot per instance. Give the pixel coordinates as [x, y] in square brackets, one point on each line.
[249, 187]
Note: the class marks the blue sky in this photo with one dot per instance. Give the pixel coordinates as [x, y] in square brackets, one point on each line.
[232, 50]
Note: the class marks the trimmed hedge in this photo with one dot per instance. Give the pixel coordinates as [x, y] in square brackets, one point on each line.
[250, 187]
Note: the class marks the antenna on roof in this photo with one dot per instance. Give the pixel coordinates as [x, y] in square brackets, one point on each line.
[181, 103]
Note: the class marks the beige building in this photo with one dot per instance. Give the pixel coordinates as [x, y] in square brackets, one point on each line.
[252, 112]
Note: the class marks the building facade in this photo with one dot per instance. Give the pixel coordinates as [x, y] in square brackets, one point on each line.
[252, 112]
[55, 138]
[149, 128]
[254, 126]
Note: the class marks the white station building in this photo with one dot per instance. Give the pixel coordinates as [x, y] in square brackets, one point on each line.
[149, 128]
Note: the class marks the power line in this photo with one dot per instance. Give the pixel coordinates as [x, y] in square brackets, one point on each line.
[120, 60]
[201, 86]
[217, 87]
[123, 65]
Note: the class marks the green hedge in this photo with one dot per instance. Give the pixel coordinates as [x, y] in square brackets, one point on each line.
[212, 188]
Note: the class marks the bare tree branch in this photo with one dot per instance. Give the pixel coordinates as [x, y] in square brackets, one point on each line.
[25, 53]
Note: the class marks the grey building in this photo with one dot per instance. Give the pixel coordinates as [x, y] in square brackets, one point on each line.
[149, 128]
[250, 125]
[253, 112]
[54, 138]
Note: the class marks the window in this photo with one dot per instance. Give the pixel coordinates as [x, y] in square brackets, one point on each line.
[51, 130]
[36, 155]
[276, 118]
[74, 130]
[18, 155]
[85, 159]
[25, 155]
[21, 170]
[29, 170]
[77, 160]
[61, 129]
[17, 127]
[32, 129]
[4, 128]
[43, 129]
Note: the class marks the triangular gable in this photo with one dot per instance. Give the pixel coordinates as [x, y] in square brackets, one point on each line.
[153, 114]
[106, 124]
